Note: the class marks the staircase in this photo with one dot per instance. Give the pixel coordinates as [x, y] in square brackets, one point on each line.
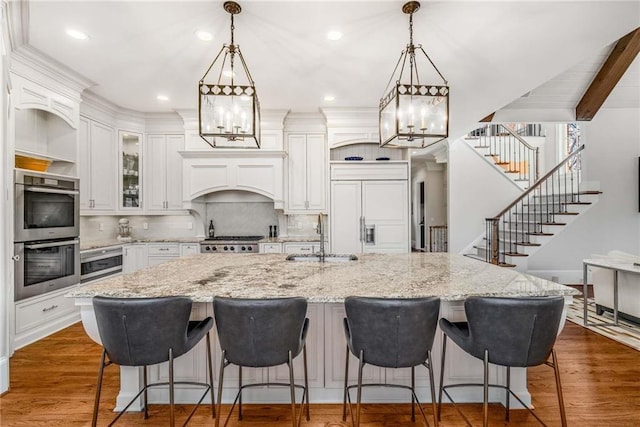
[542, 211]
[506, 149]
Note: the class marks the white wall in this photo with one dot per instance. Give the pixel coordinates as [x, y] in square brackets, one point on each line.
[476, 191]
[612, 141]
[6, 248]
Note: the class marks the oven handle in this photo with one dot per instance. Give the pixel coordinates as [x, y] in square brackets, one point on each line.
[52, 245]
[51, 190]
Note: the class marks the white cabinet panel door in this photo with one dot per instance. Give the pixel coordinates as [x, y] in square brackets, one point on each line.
[173, 175]
[385, 210]
[346, 211]
[297, 160]
[98, 166]
[155, 172]
[316, 173]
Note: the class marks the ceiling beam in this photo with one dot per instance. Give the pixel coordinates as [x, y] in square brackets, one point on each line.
[607, 78]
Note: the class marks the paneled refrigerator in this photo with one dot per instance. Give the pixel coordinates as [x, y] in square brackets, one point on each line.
[369, 212]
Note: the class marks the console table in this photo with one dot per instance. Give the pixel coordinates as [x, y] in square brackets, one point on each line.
[616, 266]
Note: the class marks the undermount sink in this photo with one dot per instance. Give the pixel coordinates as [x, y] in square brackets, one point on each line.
[320, 258]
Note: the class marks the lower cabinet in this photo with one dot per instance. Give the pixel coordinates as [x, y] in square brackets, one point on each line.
[39, 316]
[161, 252]
[301, 248]
[134, 257]
[270, 248]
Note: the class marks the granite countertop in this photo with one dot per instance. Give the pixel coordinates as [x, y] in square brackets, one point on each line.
[201, 276]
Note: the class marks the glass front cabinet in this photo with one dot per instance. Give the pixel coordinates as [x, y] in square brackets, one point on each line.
[130, 170]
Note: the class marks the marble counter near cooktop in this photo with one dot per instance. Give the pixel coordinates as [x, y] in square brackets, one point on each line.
[201, 276]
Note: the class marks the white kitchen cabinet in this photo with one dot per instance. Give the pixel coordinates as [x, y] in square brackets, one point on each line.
[307, 177]
[163, 172]
[270, 248]
[189, 249]
[301, 248]
[134, 257]
[98, 167]
[42, 315]
[369, 215]
[161, 252]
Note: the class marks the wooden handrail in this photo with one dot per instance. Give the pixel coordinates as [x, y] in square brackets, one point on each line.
[537, 183]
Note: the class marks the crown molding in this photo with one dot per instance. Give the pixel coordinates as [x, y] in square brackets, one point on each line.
[363, 117]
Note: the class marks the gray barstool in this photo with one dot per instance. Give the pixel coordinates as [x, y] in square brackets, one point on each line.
[147, 331]
[261, 333]
[511, 332]
[390, 333]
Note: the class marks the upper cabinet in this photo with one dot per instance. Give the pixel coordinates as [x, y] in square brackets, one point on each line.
[130, 170]
[307, 177]
[45, 126]
[164, 172]
[98, 167]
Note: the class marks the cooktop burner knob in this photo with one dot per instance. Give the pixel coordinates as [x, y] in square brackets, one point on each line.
[249, 248]
[226, 248]
[213, 248]
[243, 248]
[233, 248]
[207, 248]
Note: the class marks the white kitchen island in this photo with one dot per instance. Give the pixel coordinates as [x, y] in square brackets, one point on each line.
[451, 277]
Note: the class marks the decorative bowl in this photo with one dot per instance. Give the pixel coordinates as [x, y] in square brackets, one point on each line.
[32, 163]
[353, 158]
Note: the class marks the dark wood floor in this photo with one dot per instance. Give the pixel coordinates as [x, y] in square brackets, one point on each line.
[53, 383]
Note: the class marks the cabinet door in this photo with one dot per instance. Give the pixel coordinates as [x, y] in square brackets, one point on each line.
[385, 211]
[134, 257]
[85, 164]
[173, 176]
[346, 211]
[155, 172]
[130, 170]
[316, 173]
[189, 249]
[297, 160]
[103, 167]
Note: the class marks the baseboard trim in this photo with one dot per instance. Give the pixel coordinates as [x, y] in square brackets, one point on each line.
[4, 375]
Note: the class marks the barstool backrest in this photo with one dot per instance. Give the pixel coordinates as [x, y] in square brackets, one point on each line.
[140, 331]
[260, 332]
[518, 332]
[392, 333]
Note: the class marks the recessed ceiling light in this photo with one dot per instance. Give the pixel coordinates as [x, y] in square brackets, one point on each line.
[329, 98]
[334, 35]
[79, 35]
[162, 98]
[205, 36]
[414, 152]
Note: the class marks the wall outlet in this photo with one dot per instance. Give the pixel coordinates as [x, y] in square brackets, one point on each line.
[145, 225]
[189, 226]
[100, 226]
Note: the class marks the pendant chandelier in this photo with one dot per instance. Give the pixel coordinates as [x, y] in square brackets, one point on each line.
[228, 106]
[413, 113]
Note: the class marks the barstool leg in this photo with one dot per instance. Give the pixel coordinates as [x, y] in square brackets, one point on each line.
[220, 378]
[413, 400]
[145, 394]
[432, 386]
[346, 376]
[444, 352]
[240, 397]
[96, 403]
[485, 402]
[360, 367]
[306, 379]
[210, 365]
[563, 415]
[293, 391]
[172, 422]
[508, 394]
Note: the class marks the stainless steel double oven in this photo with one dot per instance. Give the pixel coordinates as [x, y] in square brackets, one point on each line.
[46, 243]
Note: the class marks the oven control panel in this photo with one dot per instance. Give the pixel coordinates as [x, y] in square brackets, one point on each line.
[229, 248]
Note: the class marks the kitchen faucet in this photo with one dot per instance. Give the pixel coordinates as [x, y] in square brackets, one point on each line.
[320, 231]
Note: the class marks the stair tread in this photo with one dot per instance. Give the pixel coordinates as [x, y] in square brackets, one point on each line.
[540, 234]
[516, 254]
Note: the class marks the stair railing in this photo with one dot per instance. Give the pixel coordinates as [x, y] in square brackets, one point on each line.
[536, 207]
[438, 238]
[510, 151]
